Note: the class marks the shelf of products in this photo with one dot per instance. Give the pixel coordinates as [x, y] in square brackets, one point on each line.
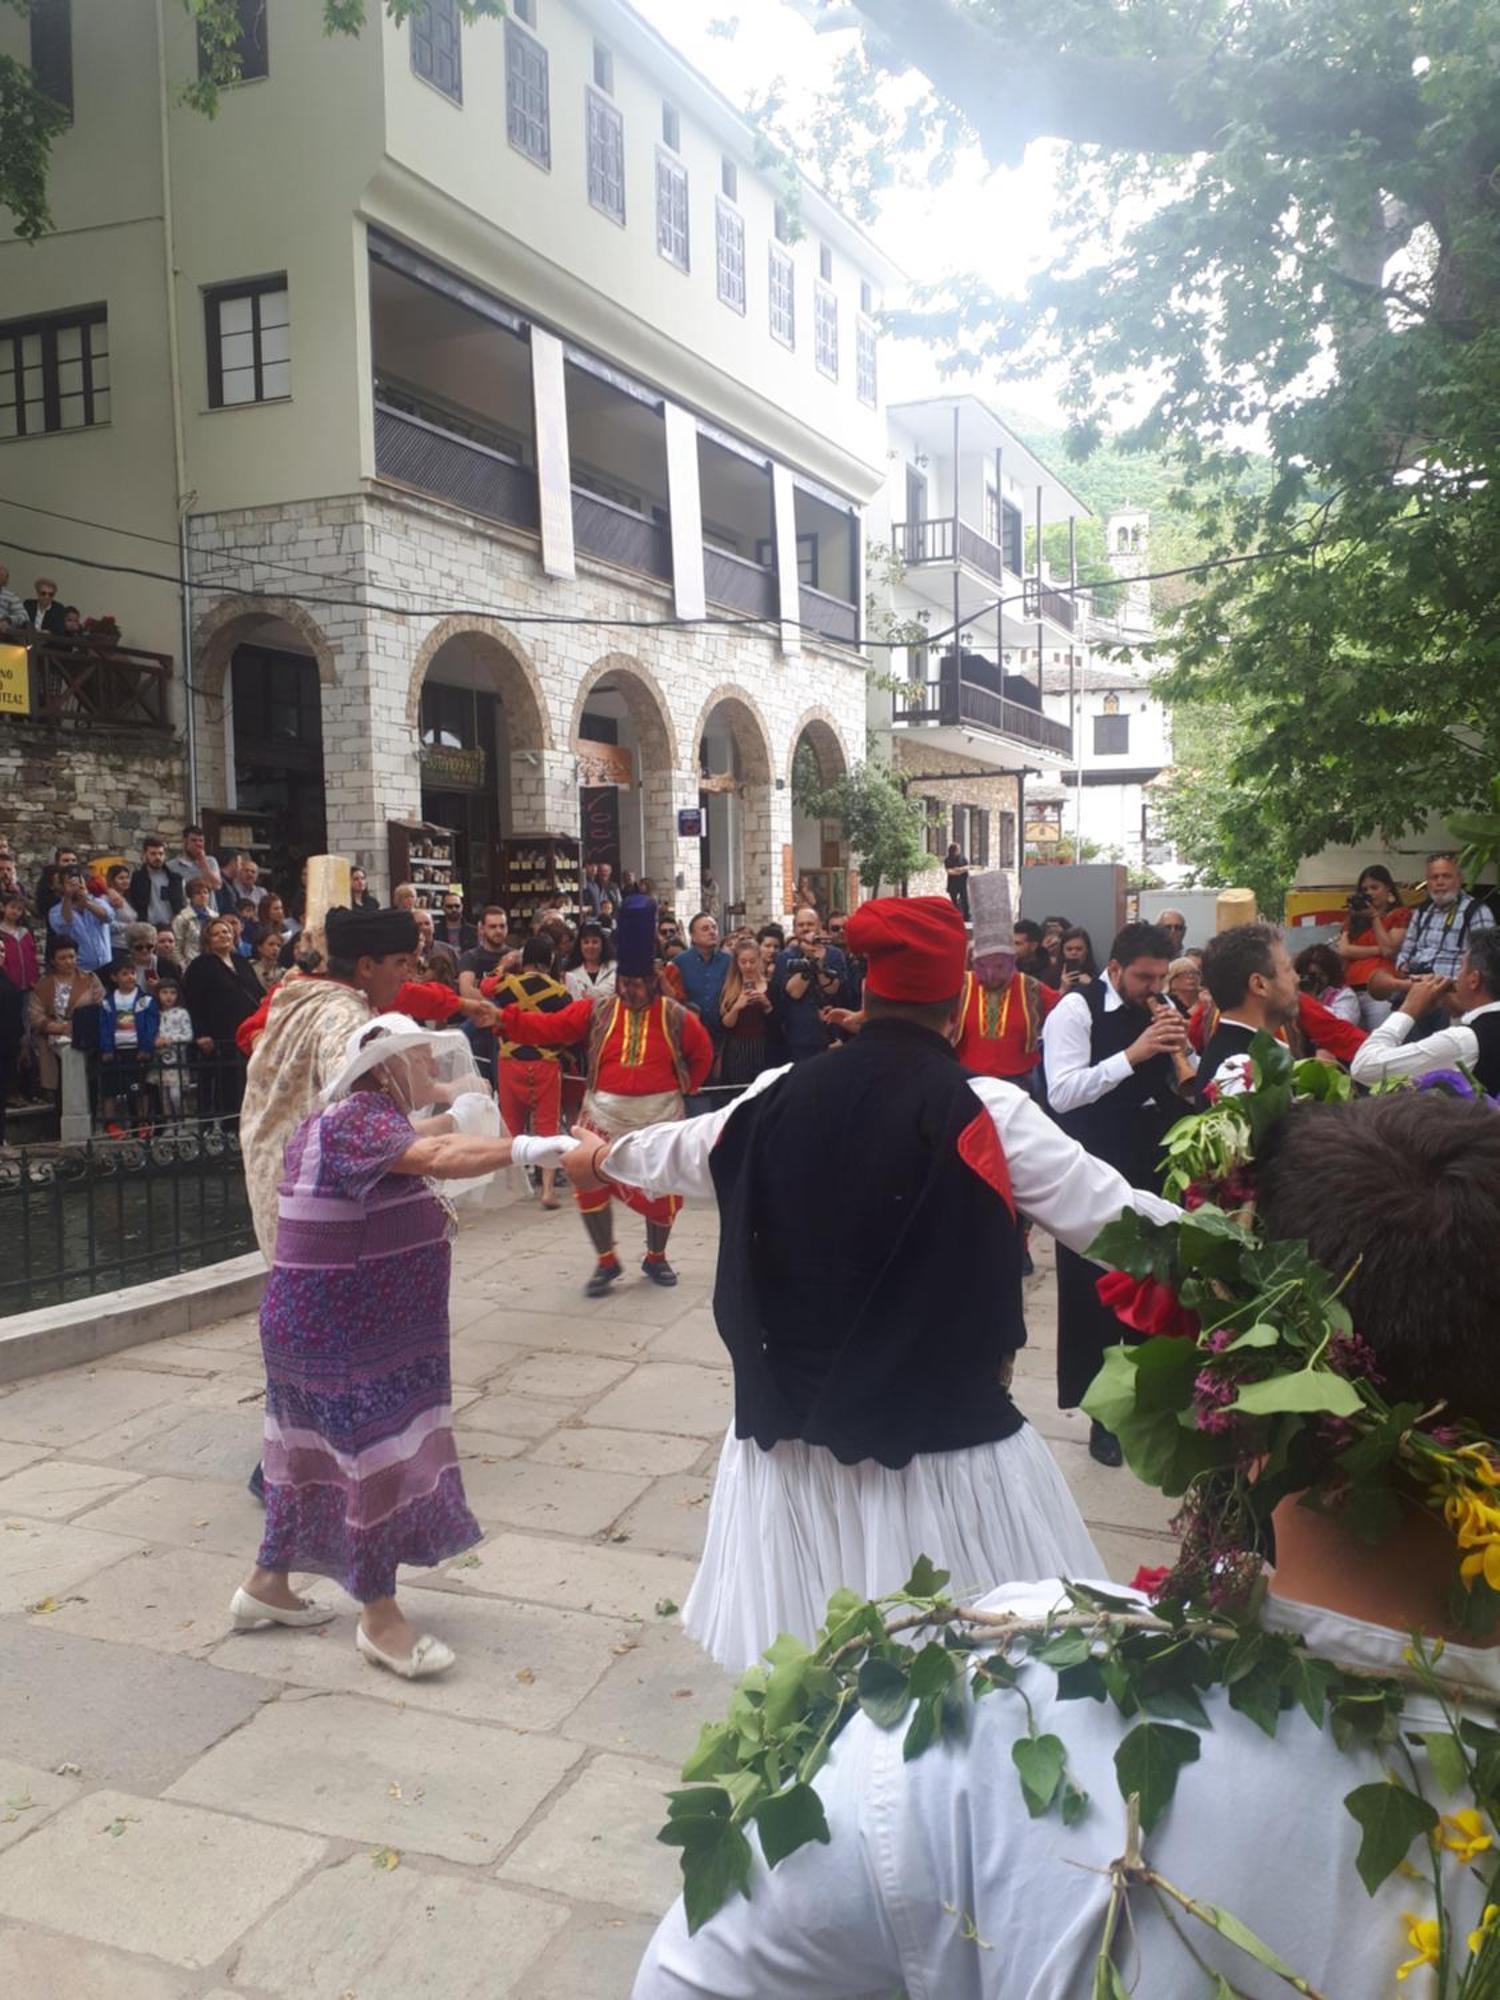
[226, 832]
[534, 866]
[423, 854]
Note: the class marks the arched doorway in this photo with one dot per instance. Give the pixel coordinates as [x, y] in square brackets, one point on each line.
[624, 743]
[734, 765]
[263, 671]
[820, 853]
[480, 732]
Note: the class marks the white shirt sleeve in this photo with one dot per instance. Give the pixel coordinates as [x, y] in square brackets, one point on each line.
[1385, 1052]
[1054, 1181]
[673, 1158]
[1073, 1080]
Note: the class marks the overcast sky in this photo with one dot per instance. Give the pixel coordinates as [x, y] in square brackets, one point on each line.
[993, 222]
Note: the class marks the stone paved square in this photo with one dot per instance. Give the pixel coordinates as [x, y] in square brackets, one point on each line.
[521, 1793]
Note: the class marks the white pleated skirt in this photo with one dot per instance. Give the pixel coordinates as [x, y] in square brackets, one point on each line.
[790, 1526]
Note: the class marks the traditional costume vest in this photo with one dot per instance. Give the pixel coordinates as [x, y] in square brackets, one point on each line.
[1487, 1067]
[1229, 1038]
[1126, 1125]
[662, 1015]
[869, 1275]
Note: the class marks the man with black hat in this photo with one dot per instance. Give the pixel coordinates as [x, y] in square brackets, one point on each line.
[646, 1053]
[1109, 1050]
[873, 1421]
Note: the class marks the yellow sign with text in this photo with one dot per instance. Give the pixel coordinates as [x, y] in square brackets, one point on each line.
[15, 681]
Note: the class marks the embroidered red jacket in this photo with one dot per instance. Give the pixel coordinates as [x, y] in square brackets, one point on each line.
[1000, 1034]
[662, 1048]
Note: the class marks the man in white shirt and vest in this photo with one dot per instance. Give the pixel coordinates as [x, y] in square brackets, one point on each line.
[873, 1421]
[1472, 1042]
[1109, 1050]
[935, 1879]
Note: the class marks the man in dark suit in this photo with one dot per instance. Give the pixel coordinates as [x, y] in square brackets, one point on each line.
[1251, 981]
[43, 612]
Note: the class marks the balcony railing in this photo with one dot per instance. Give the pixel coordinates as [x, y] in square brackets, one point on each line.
[93, 682]
[416, 453]
[1042, 601]
[739, 585]
[948, 540]
[954, 703]
[830, 617]
[617, 534]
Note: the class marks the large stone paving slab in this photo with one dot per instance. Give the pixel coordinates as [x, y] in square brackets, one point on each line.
[45, 1560]
[14, 1456]
[29, 1796]
[126, 1717]
[516, 1416]
[145, 1876]
[669, 1396]
[358, 1930]
[599, 1841]
[55, 1489]
[568, 1377]
[522, 1494]
[655, 1698]
[38, 1965]
[600, 1450]
[64, 1409]
[595, 1958]
[521, 1664]
[671, 1518]
[168, 1600]
[401, 1777]
[188, 1513]
[613, 1580]
[580, 1329]
[209, 1444]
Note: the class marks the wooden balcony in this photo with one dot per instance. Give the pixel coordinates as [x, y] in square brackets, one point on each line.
[951, 702]
[739, 585]
[413, 452]
[945, 540]
[100, 685]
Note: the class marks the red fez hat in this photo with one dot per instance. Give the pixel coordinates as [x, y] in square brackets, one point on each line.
[914, 948]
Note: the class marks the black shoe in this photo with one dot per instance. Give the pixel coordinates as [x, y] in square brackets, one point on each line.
[658, 1270]
[257, 1484]
[604, 1276]
[1104, 1446]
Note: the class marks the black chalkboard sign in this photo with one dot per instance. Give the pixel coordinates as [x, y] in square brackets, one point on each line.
[600, 806]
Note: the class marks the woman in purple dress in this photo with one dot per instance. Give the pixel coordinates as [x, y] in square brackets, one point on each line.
[361, 1469]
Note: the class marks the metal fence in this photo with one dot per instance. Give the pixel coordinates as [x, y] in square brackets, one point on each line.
[105, 1212]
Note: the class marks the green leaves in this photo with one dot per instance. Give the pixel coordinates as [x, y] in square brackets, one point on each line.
[1040, 1760]
[1446, 1757]
[1147, 1764]
[884, 1692]
[716, 1856]
[1390, 1818]
[1310, 1392]
[789, 1821]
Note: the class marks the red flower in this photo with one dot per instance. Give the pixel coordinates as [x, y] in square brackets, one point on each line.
[1150, 1581]
[1146, 1305]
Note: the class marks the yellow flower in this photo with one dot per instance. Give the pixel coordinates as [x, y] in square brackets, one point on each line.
[1486, 1926]
[1483, 1562]
[1476, 1520]
[1425, 1936]
[1463, 1834]
[1483, 1467]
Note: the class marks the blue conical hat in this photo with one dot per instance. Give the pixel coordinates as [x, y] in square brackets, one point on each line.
[635, 938]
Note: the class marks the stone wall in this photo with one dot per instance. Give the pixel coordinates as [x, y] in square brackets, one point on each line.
[99, 790]
[996, 794]
[402, 549]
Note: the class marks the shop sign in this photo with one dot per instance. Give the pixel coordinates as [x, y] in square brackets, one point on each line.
[605, 764]
[15, 681]
[445, 764]
[690, 823]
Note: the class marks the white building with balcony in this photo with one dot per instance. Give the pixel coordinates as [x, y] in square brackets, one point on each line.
[956, 541]
[513, 429]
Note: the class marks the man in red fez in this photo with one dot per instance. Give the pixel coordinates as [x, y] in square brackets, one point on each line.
[873, 1319]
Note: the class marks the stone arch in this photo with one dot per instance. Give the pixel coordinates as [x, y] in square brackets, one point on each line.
[749, 731]
[511, 671]
[229, 622]
[822, 732]
[649, 709]
[747, 830]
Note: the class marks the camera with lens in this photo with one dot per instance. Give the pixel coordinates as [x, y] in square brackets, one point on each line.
[1420, 968]
[1359, 904]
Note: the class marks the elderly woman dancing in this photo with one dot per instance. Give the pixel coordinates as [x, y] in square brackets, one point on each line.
[361, 1469]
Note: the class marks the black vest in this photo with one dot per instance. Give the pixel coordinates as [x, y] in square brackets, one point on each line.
[1487, 1067]
[1124, 1127]
[1229, 1038]
[869, 1280]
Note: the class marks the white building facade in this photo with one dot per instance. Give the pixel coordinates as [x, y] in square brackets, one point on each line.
[514, 430]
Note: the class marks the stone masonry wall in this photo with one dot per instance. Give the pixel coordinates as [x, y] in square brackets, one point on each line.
[465, 576]
[995, 794]
[99, 790]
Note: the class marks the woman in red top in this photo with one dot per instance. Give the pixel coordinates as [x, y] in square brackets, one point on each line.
[1374, 926]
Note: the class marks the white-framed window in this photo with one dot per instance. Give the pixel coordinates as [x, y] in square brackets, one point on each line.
[729, 244]
[248, 331]
[437, 47]
[826, 331]
[783, 277]
[528, 120]
[54, 373]
[606, 130]
[866, 379]
[672, 210]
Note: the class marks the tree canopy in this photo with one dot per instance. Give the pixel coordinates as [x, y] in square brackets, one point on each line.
[1281, 223]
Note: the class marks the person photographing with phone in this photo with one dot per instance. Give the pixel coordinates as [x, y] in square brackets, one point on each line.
[1110, 1082]
[810, 979]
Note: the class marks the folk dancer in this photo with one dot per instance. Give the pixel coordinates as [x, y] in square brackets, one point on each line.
[873, 1421]
[646, 1053]
[1108, 1050]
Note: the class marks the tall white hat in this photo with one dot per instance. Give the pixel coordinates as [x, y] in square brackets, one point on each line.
[989, 904]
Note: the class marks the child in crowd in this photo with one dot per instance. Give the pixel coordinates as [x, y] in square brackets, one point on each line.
[187, 925]
[128, 1022]
[174, 1037]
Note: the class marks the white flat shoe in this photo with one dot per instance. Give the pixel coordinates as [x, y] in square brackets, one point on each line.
[248, 1612]
[429, 1656]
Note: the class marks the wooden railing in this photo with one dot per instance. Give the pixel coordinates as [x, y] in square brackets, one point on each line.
[1042, 601]
[831, 617]
[955, 703]
[616, 534]
[91, 681]
[739, 585]
[435, 461]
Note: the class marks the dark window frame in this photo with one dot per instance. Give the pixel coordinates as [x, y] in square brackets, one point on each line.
[1007, 854]
[524, 53]
[46, 327]
[52, 51]
[255, 43]
[602, 116]
[215, 297]
[1107, 727]
[429, 25]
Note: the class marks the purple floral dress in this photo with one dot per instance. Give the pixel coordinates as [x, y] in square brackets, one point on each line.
[360, 1464]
